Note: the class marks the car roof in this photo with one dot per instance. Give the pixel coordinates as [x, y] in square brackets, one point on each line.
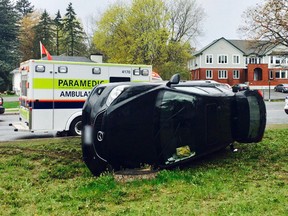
[201, 87]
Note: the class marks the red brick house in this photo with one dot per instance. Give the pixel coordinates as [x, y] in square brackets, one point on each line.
[241, 61]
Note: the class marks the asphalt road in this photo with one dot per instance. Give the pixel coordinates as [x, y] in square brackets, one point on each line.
[7, 132]
[275, 115]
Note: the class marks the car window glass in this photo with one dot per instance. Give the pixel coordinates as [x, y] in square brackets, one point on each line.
[177, 122]
[132, 91]
[94, 94]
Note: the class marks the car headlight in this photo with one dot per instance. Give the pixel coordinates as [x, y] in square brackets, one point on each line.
[115, 93]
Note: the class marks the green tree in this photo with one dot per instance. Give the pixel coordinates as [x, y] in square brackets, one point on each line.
[44, 32]
[111, 37]
[73, 35]
[133, 35]
[58, 27]
[8, 42]
[24, 7]
[149, 32]
[27, 46]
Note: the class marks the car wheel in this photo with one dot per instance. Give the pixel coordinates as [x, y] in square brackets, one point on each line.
[283, 91]
[286, 111]
[76, 127]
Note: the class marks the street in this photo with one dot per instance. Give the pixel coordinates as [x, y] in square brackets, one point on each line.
[7, 132]
[275, 115]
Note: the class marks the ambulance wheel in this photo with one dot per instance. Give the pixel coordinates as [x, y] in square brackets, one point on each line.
[76, 127]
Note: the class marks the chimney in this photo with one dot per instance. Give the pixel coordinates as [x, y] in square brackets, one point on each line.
[98, 58]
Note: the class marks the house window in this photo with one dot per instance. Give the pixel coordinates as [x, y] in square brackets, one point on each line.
[222, 74]
[253, 60]
[271, 59]
[209, 59]
[284, 60]
[236, 59]
[281, 74]
[236, 74]
[270, 75]
[222, 59]
[209, 74]
[277, 60]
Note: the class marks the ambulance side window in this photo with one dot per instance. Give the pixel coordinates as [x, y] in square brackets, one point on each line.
[96, 70]
[40, 68]
[62, 69]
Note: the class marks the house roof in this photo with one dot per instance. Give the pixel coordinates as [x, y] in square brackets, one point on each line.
[70, 58]
[247, 47]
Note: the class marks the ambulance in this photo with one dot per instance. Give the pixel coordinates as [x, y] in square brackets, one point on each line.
[53, 92]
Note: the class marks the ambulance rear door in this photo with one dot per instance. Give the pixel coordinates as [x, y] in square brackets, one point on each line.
[141, 73]
[42, 103]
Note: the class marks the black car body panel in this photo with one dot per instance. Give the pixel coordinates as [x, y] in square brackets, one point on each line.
[164, 125]
[2, 109]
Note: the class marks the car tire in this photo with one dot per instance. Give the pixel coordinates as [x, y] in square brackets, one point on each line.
[76, 127]
[286, 111]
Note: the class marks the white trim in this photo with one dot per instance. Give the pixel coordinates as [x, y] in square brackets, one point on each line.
[233, 56]
[238, 74]
[222, 55]
[220, 73]
[210, 57]
[211, 73]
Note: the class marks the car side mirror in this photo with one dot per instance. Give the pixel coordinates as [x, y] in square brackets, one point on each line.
[175, 79]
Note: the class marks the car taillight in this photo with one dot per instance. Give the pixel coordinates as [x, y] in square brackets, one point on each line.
[260, 93]
[1, 102]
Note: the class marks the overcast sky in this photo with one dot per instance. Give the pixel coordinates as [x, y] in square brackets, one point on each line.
[223, 17]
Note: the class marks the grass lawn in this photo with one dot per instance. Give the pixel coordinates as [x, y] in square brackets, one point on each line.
[11, 104]
[48, 177]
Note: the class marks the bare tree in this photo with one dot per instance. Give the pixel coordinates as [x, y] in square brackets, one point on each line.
[267, 22]
[185, 19]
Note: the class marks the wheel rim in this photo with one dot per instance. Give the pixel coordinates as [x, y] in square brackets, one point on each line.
[78, 128]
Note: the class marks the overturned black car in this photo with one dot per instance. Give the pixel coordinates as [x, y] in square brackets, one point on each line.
[127, 125]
